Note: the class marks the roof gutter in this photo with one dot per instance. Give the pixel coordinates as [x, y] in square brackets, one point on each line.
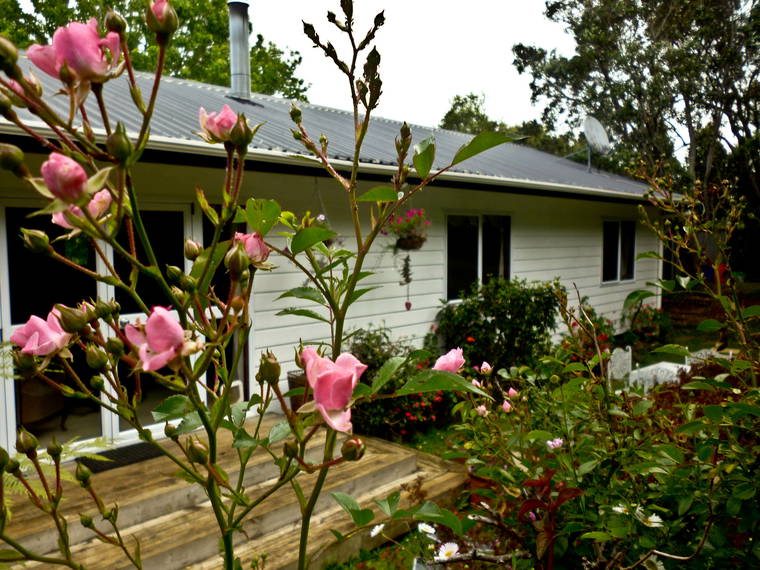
[167, 144]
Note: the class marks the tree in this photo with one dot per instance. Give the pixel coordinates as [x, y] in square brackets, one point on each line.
[659, 73]
[467, 115]
[200, 48]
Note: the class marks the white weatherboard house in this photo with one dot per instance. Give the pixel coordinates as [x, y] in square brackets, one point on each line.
[513, 210]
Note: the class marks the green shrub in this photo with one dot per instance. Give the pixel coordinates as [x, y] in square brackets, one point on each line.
[395, 418]
[505, 323]
[585, 331]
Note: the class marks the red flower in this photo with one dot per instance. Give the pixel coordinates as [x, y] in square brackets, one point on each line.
[470, 339]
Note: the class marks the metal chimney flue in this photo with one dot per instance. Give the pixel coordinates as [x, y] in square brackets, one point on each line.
[240, 54]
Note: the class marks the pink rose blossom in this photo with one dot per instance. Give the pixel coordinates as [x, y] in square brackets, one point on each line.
[333, 384]
[217, 127]
[254, 246]
[506, 406]
[476, 383]
[512, 393]
[159, 341]
[64, 177]
[41, 337]
[160, 8]
[100, 202]
[79, 47]
[452, 361]
[482, 411]
[485, 368]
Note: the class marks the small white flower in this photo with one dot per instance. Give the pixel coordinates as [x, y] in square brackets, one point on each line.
[321, 218]
[621, 510]
[377, 529]
[425, 528]
[447, 551]
[555, 443]
[653, 521]
[400, 195]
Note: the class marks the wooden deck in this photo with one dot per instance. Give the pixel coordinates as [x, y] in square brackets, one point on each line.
[176, 528]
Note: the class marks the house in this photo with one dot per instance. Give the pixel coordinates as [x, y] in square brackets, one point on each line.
[528, 213]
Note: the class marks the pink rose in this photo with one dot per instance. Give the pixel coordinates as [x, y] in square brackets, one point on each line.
[333, 383]
[80, 47]
[254, 246]
[159, 341]
[217, 127]
[512, 393]
[41, 337]
[482, 411]
[100, 202]
[506, 406]
[485, 368]
[160, 9]
[452, 361]
[64, 177]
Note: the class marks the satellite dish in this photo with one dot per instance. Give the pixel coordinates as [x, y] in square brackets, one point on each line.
[596, 136]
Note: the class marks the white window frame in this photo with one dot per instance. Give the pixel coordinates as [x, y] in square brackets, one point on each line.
[618, 279]
[479, 214]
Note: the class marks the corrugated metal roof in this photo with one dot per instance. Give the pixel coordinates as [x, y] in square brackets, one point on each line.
[175, 123]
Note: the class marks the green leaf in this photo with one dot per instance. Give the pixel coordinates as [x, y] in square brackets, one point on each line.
[279, 431]
[752, 311]
[379, 194]
[597, 535]
[172, 408]
[575, 367]
[307, 293]
[303, 313]
[215, 261]
[424, 154]
[691, 428]
[386, 372]
[10, 555]
[713, 412]
[358, 293]
[538, 434]
[434, 380]
[709, 326]
[430, 512]
[97, 181]
[206, 207]
[243, 440]
[307, 237]
[189, 423]
[360, 516]
[389, 504]
[587, 467]
[261, 215]
[648, 255]
[698, 385]
[636, 297]
[684, 504]
[675, 349]
[361, 391]
[478, 144]
[338, 536]
[641, 407]
[420, 354]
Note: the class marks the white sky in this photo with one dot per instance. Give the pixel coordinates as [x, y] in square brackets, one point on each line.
[431, 51]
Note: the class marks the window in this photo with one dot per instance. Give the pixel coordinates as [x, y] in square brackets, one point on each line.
[618, 250]
[477, 248]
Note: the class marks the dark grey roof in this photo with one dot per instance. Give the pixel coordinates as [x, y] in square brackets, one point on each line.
[176, 120]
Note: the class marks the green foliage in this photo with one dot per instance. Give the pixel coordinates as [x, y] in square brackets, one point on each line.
[587, 332]
[200, 48]
[396, 418]
[502, 322]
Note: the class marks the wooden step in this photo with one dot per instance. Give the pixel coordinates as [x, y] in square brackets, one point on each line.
[433, 480]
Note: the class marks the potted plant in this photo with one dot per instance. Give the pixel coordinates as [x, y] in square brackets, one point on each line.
[409, 229]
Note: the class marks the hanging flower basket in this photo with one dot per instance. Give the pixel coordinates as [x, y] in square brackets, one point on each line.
[409, 229]
[410, 242]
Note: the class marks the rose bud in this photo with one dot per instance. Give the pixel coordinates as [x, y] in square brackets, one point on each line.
[72, 320]
[118, 143]
[115, 346]
[197, 451]
[35, 241]
[192, 249]
[352, 449]
[26, 443]
[115, 22]
[55, 449]
[12, 158]
[290, 448]
[96, 358]
[162, 19]
[269, 368]
[83, 474]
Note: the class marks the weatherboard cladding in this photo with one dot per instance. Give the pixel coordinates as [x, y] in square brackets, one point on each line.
[176, 121]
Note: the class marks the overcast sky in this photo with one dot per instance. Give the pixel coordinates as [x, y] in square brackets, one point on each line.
[431, 50]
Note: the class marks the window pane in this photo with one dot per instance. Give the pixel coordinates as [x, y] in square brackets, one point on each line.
[610, 251]
[627, 249]
[37, 282]
[461, 254]
[166, 231]
[495, 247]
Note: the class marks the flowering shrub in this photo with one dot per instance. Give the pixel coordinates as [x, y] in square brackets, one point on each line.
[588, 334]
[504, 322]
